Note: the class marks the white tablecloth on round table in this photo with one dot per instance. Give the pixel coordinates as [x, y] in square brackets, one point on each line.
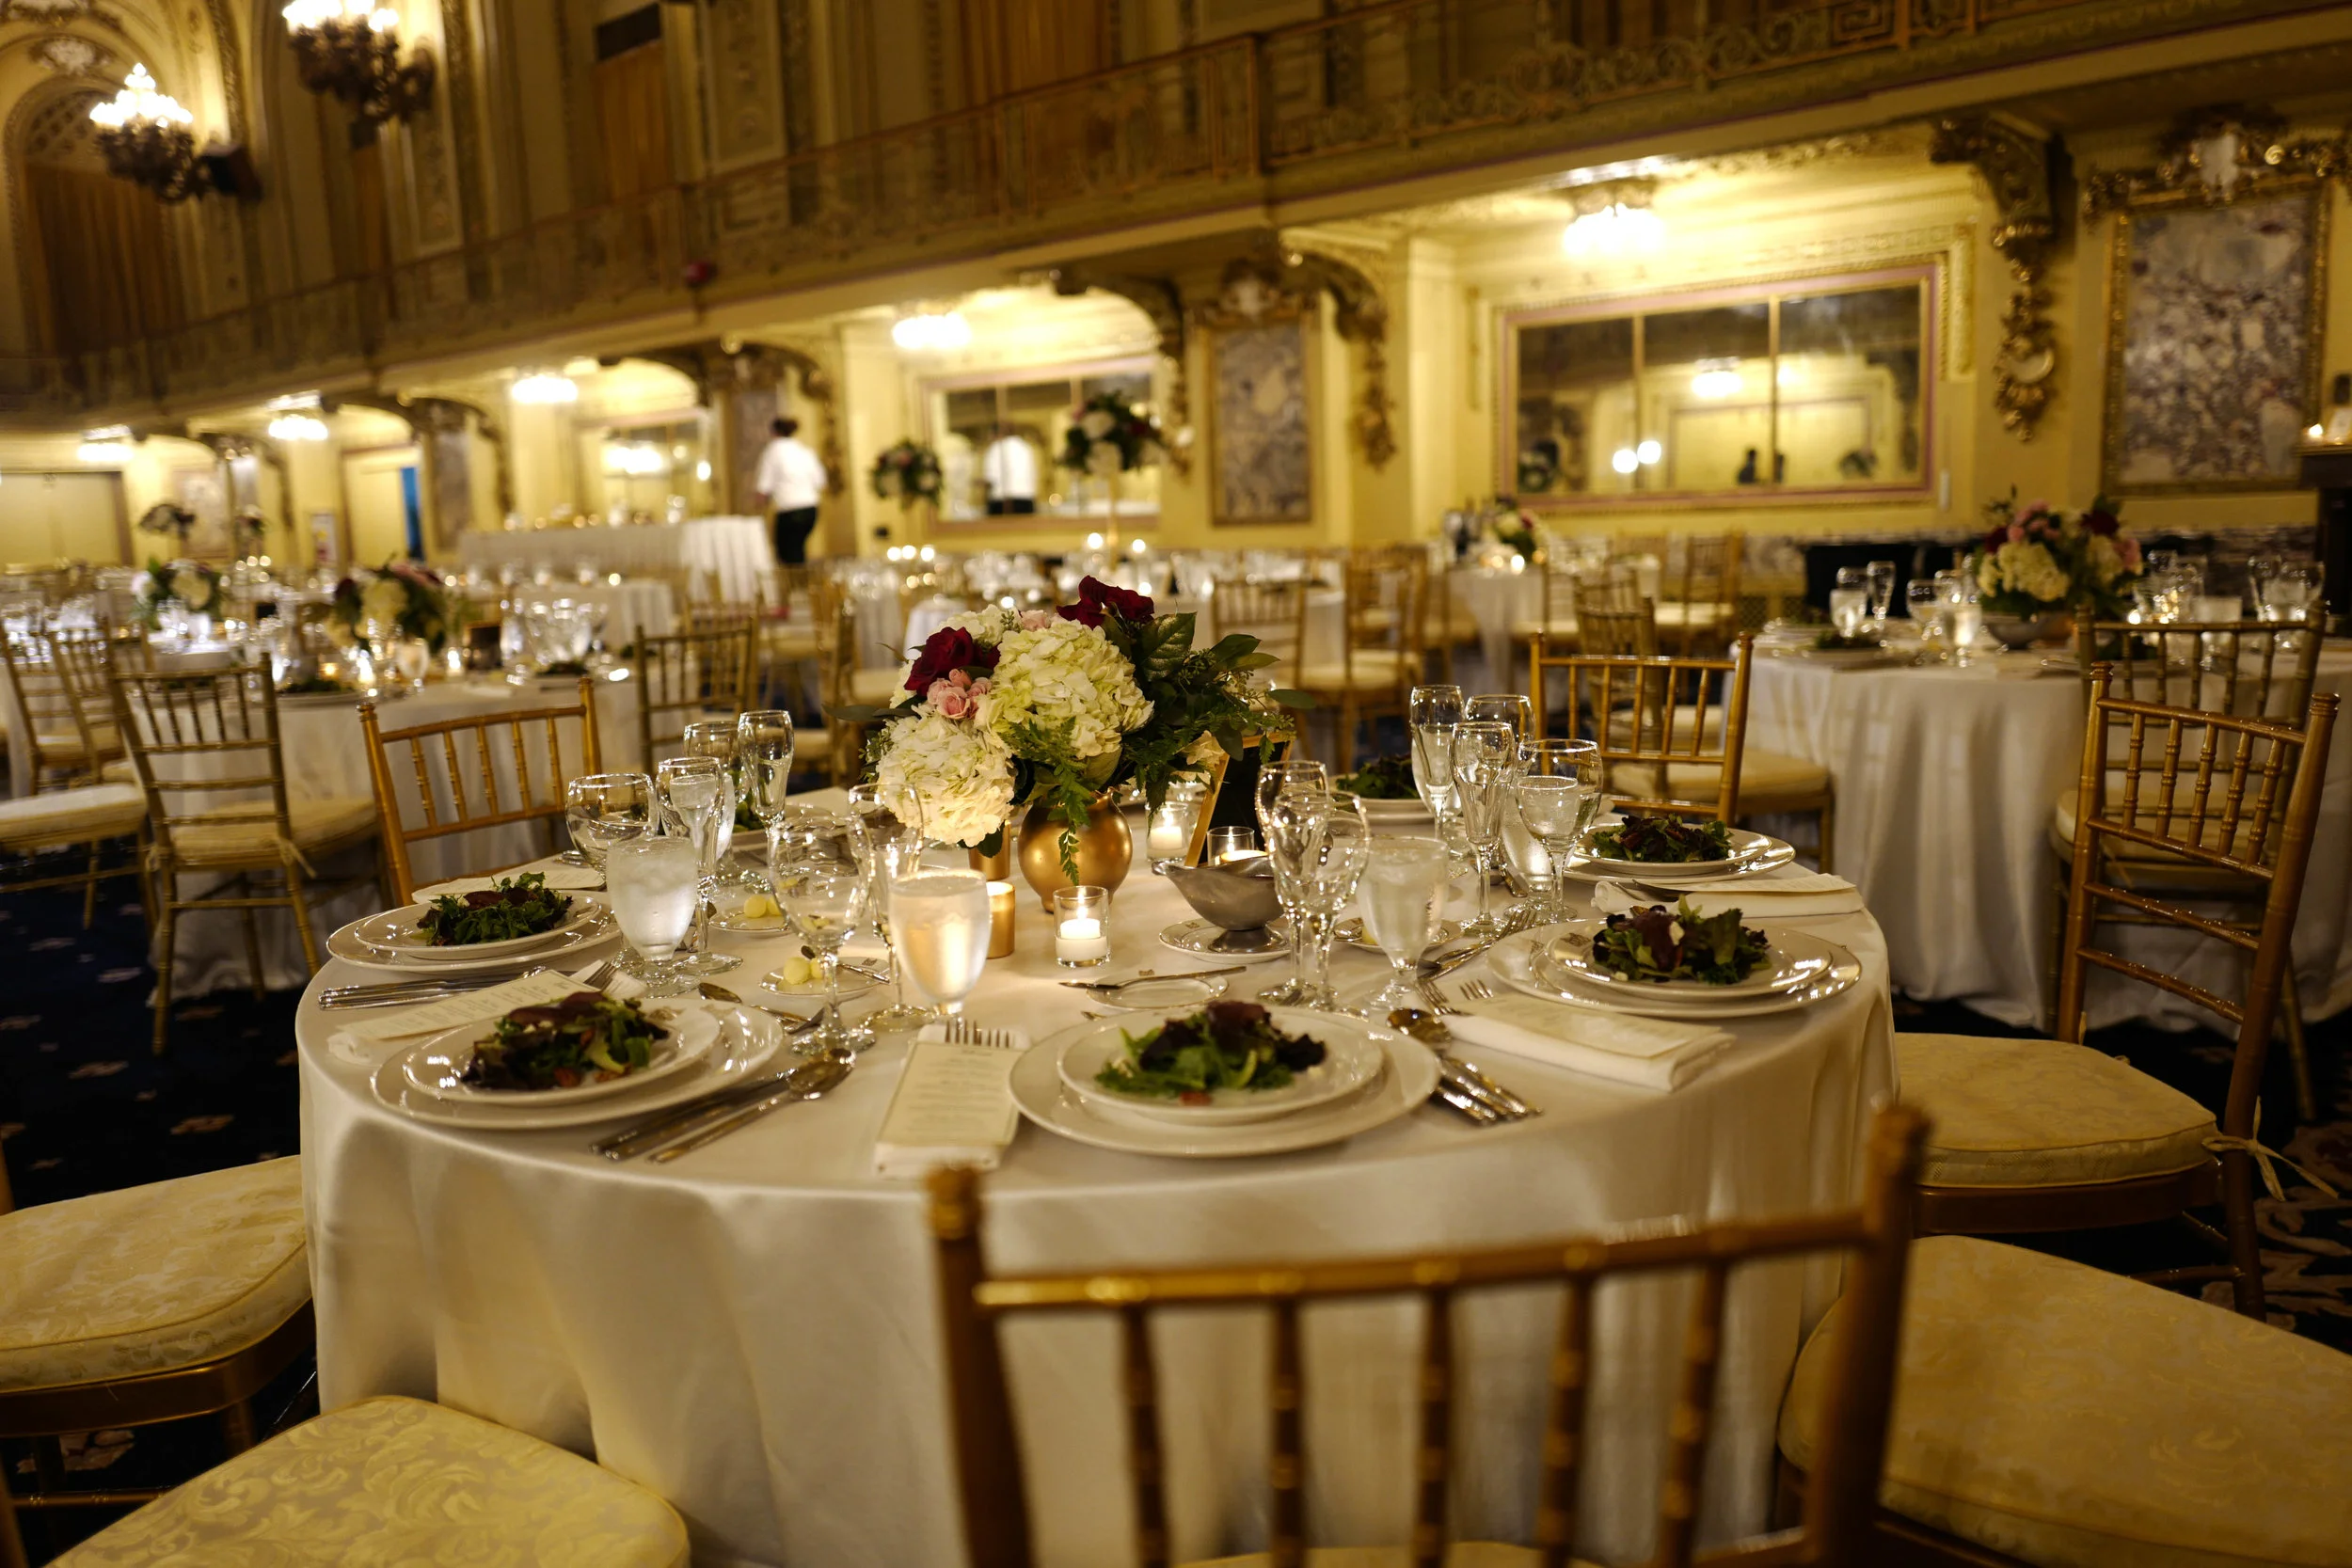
[735, 553]
[209, 656]
[751, 1332]
[1946, 780]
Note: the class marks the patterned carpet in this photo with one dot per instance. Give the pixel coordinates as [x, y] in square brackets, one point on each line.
[85, 1107]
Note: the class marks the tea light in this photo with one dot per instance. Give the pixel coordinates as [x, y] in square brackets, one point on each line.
[1227, 844]
[1000, 920]
[1169, 841]
[1081, 919]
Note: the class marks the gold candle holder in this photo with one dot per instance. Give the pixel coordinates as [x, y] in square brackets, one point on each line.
[998, 867]
[999, 919]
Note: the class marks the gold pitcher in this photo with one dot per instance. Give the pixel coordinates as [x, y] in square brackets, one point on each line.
[1105, 849]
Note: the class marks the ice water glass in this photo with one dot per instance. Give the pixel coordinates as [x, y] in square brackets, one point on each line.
[823, 900]
[1485, 762]
[655, 887]
[1881, 575]
[1849, 600]
[1402, 897]
[939, 922]
[763, 763]
[697, 803]
[604, 809]
[889, 849]
[1963, 606]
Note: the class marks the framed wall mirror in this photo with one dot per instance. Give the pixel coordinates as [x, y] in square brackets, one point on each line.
[638, 463]
[997, 434]
[1816, 389]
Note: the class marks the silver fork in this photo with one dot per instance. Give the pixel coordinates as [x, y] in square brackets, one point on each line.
[962, 1031]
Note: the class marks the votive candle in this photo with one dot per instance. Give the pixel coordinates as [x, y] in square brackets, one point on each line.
[1082, 926]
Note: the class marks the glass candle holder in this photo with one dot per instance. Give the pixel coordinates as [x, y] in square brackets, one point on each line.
[1082, 926]
[1000, 913]
[1168, 837]
[1230, 844]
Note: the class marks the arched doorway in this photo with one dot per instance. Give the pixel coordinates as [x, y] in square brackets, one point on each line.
[102, 267]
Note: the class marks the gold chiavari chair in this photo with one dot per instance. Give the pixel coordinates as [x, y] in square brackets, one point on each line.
[54, 735]
[207, 753]
[1380, 652]
[86, 816]
[1273, 613]
[2052, 1135]
[1838, 1504]
[509, 792]
[83, 661]
[1614, 618]
[1550, 632]
[841, 742]
[687, 677]
[788, 628]
[1699, 591]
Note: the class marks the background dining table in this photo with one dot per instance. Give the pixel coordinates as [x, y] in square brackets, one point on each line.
[1947, 778]
[752, 1331]
[735, 553]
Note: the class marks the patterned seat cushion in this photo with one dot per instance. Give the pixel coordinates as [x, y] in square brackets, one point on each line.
[74, 815]
[2078, 1418]
[877, 688]
[2035, 1113]
[391, 1482]
[1367, 670]
[173, 1274]
[241, 838]
[1765, 777]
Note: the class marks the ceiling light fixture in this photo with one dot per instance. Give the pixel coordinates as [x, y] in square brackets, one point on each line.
[350, 49]
[297, 419]
[1613, 222]
[143, 134]
[544, 387]
[108, 445]
[1716, 379]
[930, 329]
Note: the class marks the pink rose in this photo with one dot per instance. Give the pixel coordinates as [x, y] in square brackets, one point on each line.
[980, 688]
[960, 677]
[2016, 534]
[2129, 549]
[1037, 620]
[949, 700]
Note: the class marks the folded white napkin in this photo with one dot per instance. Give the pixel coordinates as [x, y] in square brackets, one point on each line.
[1644, 1052]
[1785, 894]
[953, 1106]
[576, 878]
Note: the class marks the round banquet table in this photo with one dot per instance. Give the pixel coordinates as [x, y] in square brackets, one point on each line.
[751, 1332]
[735, 554]
[633, 607]
[1946, 782]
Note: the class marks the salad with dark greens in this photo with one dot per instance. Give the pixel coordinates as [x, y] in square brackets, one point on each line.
[1382, 779]
[1662, 841]
[1658, 945]
[520, 906]
[587, 1038]
[1830, 639]
[1226, 1045]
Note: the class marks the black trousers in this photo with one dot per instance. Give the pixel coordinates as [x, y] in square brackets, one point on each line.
[792, 531]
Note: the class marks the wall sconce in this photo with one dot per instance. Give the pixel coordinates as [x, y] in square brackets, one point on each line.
[349, 50]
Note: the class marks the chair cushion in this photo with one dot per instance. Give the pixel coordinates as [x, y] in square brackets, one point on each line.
[877, 688]
[65, 745]
[74, 815]
[148, 1278]
[1765, 778]
[243, 839]
[1460, 1553]
[120, 771]
[397, 1481]
[2067, 1416]
[2042, 1113]
[1367, 670]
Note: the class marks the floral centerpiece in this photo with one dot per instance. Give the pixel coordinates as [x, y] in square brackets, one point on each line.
[168, 517]
[2036, 562]
[1110, 436]
[1054, 709]
[908, 472]
[406, 595]
[190, 584]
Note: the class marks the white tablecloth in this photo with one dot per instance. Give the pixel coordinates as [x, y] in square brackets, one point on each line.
[631, 607]
[735, 553]
[1947, 779]
[751, 1332]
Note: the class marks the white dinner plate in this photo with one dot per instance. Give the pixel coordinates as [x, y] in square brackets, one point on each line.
[1390, 814]
[747, 1038]
[1515, 961]
[1795, 960]
[436, 1067]
[1201, 937]
[345, 944]
[1752, 854]
[396, 933]
[1352, 1059]
[1407, 1077]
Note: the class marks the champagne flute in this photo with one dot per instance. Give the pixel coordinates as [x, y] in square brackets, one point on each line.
[653, 884]
[1486, 760]
[1434, 712]
[763, 763]
[1403, 900]
[1276, 779]
[601, 809]
[697, 799]
[889, 849]
[715, 738]
[939, 924]
[823, 900]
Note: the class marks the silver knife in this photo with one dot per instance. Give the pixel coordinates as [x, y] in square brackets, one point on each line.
[632, 1141]
[832, 1069]
[1140, 979]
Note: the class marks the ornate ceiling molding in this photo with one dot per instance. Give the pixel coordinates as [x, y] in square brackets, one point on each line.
[2214, 156]
[2015, 163]
[1360, 312]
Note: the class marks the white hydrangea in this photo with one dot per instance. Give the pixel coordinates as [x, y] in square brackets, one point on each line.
[384, 599]
[955, 778]
[2024, 568]
[1065, 670]
[2106, 561]
[189, 587]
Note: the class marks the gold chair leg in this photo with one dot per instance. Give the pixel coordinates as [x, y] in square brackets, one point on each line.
[1827, 817]
[164, 922]
[89, 888]
[237, 1432]
[2299, 1051]
[302, 920]
[253, 954]
[2237, 1210]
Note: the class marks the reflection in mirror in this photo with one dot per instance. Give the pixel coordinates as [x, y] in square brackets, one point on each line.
[1707, 396]
[999, 435]
[1575, 406]
[639, 469]
[1849, 386]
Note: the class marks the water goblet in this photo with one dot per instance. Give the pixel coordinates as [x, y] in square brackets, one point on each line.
[1500, 707]
[715, 738]
[1558, 796]
[939, 924]
[1276, 779]
[1924, 603]
[1849, 600]
[2297, 591]
[1402, 897]
[889, 849]
[698, 800]
[763, 763]
[1881, 575]
[1328, 876]
[823, 899]
[412, 658]
[1486, 761]
[604, 809]
[654, 887]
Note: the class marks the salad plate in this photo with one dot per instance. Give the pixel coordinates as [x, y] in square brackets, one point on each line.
[1793, 959]
[1351, 1059]
[1408, 1075]
[345, 944]
[746, 1040]
[437, 1067]
[1517, 960]
[1207, 940]
[1745, 850]
[398, 933]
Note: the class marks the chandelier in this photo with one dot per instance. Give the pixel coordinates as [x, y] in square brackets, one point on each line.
[1613, 222]
[346, 49]
[144, 136]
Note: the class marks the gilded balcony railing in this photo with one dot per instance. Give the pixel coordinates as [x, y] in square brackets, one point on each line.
[1377, 92]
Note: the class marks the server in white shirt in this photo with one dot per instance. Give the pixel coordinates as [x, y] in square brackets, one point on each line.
[1009, 468]
[790, 480]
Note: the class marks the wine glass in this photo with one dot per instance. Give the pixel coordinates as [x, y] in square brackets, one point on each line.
[2297, 591]
[715, 738]
[1849, 600]
[823, 899]
[1881, 576]
[889, 849]
[1558, 796]
[654, 887]
[1402, 901]
[763, 762]
[1321, 838]
[1486, 761]
[697, 799]
[939, 924]
[1924, 604]
[1500, 707]
[604, 809]
[1275, 779]
[1965, 608]
[1434, 712]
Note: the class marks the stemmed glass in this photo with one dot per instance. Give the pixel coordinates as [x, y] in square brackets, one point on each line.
[1849, 600]
[1319, 841]
[889, 850]
[823, 899]
[1964, 609]
[601, 809]
[763, 763]
[1276, 779]
[1486, 761]
[1500, 707]
[939, 925]
[2296, 592]
[1558, 797]
[715, 738]
[1435, 712]
[1924, 605]
[1403, 900]
[654, 885]
[697, 799]
[1881, 575]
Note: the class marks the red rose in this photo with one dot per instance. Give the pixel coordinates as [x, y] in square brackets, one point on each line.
[949, 649]
[2099, 520]
[1096, 597]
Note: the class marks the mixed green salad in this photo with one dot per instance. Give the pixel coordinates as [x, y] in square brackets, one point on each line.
[587, 1038]
[520, 906]
[1383, 778]
[1226, 1045]
[1829, 639]
[311, 686]
[1662, 841]
[1658, 945]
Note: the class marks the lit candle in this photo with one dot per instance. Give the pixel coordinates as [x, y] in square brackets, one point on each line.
[1081, 940]
[1000, 920]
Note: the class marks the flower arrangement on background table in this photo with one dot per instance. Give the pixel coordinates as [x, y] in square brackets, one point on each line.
[1109, 436]
[907, 472]
[406, 595]
[168, 517]
[2036, 560]
[190, 584]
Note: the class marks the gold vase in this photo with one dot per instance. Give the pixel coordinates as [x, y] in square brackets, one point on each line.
[1103, 851]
